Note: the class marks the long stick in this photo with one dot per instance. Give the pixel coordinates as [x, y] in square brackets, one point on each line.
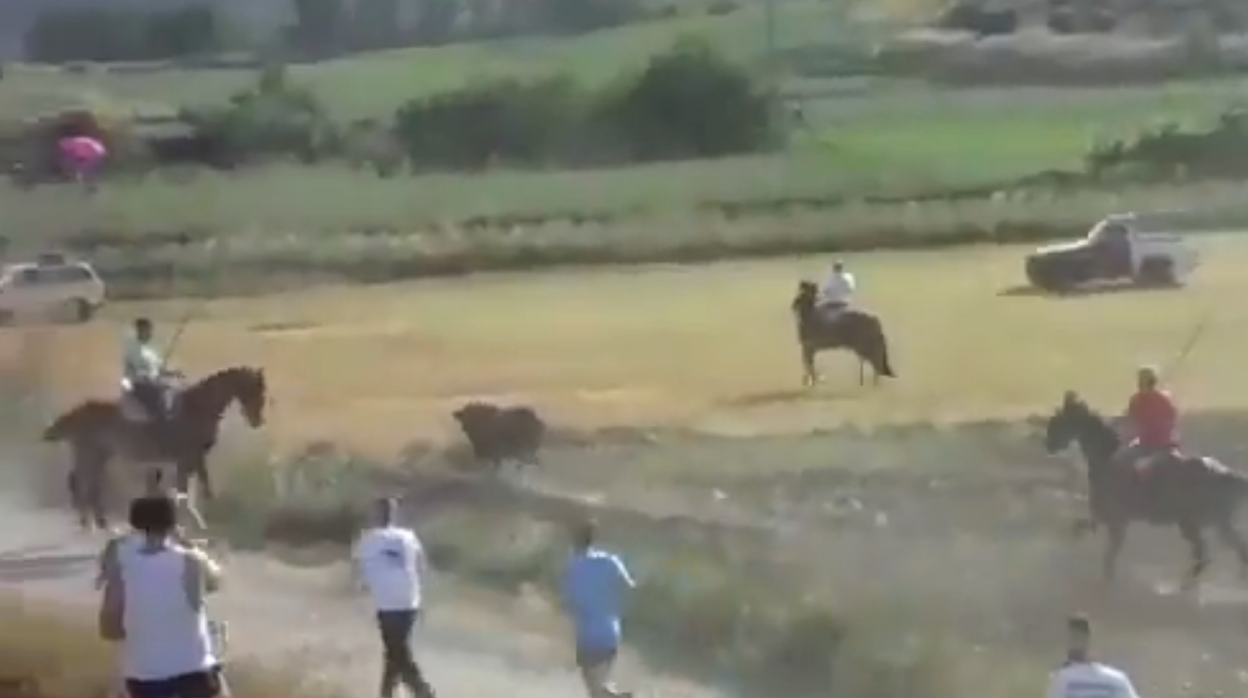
[1179, 359]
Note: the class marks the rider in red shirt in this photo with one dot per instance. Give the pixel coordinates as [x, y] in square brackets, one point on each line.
[1153, 419]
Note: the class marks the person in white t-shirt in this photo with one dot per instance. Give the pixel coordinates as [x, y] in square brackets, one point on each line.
[154, 606]
[392, 564]
[1080, 676]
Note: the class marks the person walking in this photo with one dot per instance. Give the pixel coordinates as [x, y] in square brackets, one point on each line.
[392, 565]
[154, 605]
[1080, 676]
[594, 590]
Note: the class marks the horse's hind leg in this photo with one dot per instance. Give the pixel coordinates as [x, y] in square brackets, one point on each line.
[1227, 532]
[1116, 533]
[1195, 538]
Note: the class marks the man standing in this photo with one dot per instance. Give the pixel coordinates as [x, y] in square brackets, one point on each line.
[143, 370]
[837, 291]
[392, 564]
[1080, 677]
[154, 604]
[1153, 419]
[595, 586]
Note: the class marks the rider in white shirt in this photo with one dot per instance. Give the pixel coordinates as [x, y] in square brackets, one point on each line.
[1080, 676]
[838, 290]
[143, 370]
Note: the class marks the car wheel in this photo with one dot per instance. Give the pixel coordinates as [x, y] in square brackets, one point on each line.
[1048, 278]
[1156, 271]
[82, 310]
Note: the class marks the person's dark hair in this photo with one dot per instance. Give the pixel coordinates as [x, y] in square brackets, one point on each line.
[387, 509]
[1079, 623]
[153, 515]
[584, 533]
[142, 324]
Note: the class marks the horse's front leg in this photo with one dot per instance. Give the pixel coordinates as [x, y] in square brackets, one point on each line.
[194, 466]
[1195, 537]
[810, 376]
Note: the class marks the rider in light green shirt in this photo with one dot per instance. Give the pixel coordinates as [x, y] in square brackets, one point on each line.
[143, 370]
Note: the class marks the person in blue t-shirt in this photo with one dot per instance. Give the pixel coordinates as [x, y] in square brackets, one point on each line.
[595, 587]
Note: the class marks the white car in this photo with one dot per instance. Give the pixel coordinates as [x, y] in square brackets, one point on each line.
[52, 287]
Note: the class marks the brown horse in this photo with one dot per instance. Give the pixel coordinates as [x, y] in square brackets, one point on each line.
[855, 330]
[98, 430]
[1189, 492]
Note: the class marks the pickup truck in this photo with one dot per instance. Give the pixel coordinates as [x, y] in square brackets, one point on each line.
[1116, 249]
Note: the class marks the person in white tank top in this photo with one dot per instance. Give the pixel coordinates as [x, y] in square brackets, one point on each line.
[154, 605]
[185, 510]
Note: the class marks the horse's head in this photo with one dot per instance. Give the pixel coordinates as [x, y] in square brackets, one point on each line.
[807, 293]
[1073, 420]
[1062, 426]
[247, 385]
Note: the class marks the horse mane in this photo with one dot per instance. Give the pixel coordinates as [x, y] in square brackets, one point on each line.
[806, 292]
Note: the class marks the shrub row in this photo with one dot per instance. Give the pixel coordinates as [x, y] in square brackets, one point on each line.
[1171, 152]
[689, 102]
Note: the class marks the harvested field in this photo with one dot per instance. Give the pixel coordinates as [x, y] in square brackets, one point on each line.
[708, 347]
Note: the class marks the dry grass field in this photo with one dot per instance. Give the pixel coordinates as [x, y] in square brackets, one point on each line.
[707, 347]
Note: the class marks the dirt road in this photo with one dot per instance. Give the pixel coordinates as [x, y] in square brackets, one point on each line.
[471, 644]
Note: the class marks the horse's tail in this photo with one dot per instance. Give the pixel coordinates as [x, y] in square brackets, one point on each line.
[877, 348]
[67, 424]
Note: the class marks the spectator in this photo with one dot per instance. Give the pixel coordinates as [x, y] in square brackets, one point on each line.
[185, 510]
[392, 564]
[1080, 676]
[595, 586]
[154, 605]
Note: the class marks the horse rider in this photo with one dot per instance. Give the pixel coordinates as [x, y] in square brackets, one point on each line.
[1153, 420]
[144, 375]
[837, 291]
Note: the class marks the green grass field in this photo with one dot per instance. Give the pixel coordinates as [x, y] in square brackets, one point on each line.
[866, 136]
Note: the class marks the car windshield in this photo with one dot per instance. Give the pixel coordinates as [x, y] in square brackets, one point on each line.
[1108, 230]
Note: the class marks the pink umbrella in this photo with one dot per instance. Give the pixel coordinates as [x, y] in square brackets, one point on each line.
[81, 155]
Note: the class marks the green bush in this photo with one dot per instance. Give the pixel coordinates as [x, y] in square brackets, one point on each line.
[274, 118]
[501, 122]
[689, 102]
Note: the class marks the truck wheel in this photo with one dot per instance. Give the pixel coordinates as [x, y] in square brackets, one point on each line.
[1156, 271]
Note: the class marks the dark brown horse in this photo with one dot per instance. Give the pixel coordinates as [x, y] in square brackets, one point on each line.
[1189, 492]
[98, 430]
[854, 330]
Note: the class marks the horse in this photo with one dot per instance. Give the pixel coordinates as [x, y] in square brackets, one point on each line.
[858, 331]
[1190, 492]
[97, 430]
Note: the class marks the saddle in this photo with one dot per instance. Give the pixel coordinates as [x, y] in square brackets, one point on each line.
[134, 409]
[831, 311]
